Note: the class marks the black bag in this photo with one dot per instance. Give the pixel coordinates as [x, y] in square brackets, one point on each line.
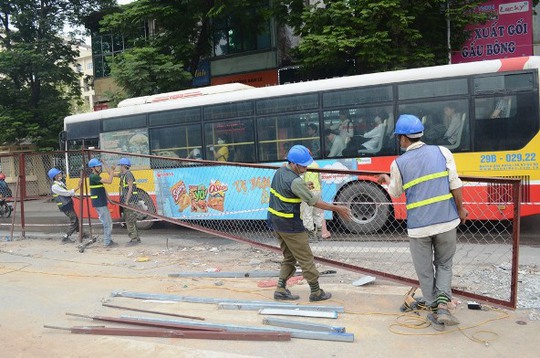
[351, 150]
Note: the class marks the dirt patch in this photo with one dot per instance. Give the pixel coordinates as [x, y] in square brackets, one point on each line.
[42, 280]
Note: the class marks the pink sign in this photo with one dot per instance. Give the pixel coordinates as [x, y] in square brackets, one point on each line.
[509, 33]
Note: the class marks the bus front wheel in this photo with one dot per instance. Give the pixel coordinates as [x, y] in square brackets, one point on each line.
[369, 205]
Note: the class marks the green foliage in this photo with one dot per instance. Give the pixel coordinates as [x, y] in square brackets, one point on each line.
[168, 38]
[144, 71]
[37, 82]
[181, 37]
[377, 35]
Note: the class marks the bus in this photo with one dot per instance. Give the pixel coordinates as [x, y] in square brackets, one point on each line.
[486, 113]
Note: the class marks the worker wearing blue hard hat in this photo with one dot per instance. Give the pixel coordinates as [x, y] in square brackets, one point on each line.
[98, 195]
[287, 191]
[427, 175]
[63, 197]
[129, 196]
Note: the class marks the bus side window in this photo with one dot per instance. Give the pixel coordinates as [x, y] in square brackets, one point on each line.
[230, 141]
[278, 134]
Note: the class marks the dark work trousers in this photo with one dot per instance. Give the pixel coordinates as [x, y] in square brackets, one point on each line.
[73, 221]
[295, 248]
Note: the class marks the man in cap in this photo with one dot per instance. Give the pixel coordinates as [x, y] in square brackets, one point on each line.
[287, 191]
[428, 177]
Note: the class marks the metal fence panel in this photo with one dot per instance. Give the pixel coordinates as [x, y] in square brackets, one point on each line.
[231, 200]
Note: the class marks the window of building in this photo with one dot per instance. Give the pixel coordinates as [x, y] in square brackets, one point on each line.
[229, 38]
[104, 46]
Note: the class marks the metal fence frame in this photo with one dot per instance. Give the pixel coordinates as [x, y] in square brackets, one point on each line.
[515, 184]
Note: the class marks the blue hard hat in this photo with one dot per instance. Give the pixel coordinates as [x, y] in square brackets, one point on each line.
[300, 155]
[94, 162]
[53, 173]
[124, 161]
[409, 125]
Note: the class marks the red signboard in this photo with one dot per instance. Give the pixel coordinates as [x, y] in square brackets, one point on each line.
[255, 79]
[509, 33]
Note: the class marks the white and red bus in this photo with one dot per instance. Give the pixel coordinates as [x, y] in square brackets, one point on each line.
[495, 106]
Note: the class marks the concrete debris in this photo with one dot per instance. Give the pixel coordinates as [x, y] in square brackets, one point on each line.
[363, 281]
[534, 315]
[494, 281]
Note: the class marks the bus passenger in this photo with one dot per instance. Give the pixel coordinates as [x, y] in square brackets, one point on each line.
[501, 108]
[129, 196]
[99, 198]
[427, 174]
[452, 121]
[375, 135]
[195, 153]
[222, 154]
[315, 143]
[345, 127]
[312, 217]
[337, 145]
[287, 191]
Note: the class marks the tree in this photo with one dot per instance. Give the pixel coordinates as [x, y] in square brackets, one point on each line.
[144, 71]
[177, 35]
[375, 35]
[37, 82]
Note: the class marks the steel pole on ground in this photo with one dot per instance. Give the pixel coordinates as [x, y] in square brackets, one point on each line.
[164, 324]
[175, 333]
[22, 181]
[152, 311]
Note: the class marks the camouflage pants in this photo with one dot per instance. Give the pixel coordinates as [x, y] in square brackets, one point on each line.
[131, 223]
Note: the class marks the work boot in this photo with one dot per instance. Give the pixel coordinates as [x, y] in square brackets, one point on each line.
[435, 323]
[67, 240]
[284, 294]
[110, 244]
[319, 296]
[445, 317]
[134, 241]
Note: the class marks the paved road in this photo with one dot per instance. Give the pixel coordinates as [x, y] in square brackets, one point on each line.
[43, 216]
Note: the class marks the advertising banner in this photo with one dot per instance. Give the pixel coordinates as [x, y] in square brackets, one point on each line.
[509, 33]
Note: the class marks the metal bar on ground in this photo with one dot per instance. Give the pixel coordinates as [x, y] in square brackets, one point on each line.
[258, 306]
[226, 274]
[176, 298]
[295, 333]
[234, 274]
[308, 326]
[151, 311]
[175, 333]
[299, 313]
[138, 322]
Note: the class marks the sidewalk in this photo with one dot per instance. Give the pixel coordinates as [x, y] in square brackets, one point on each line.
[41, 280]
